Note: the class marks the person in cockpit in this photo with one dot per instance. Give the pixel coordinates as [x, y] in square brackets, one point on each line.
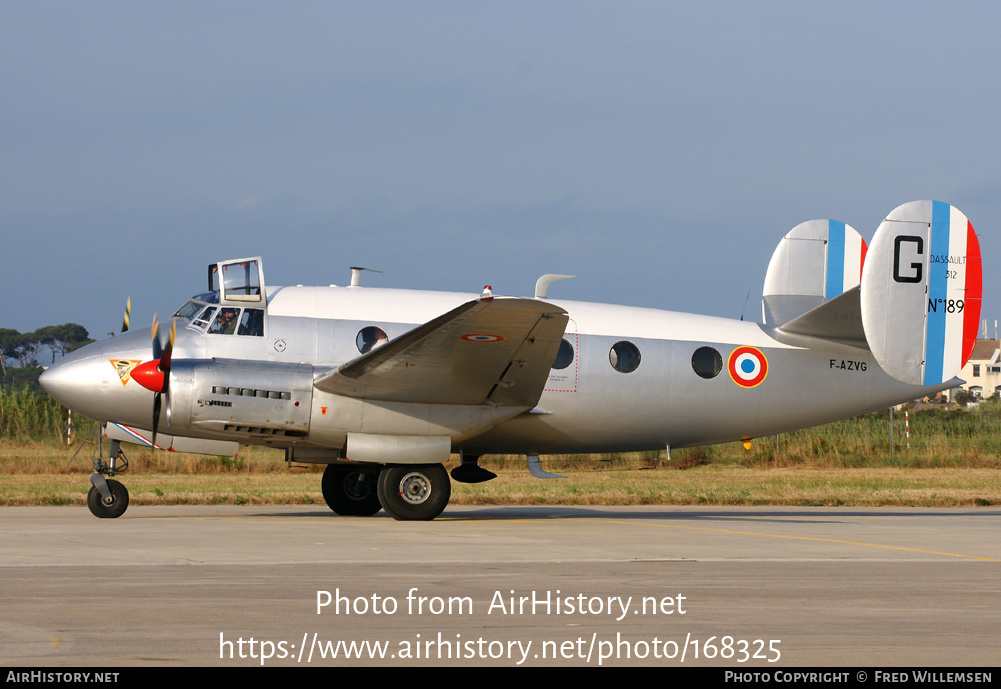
[225, 322]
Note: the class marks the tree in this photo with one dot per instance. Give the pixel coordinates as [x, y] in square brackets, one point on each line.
[62, 338]
[8, 340]
[26, 349]
[24, 346]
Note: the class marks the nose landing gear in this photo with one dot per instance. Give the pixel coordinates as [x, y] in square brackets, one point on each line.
[107, 507]
[107, 498]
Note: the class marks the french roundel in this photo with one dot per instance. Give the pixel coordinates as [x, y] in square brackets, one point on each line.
[480, 337]
[748, 366]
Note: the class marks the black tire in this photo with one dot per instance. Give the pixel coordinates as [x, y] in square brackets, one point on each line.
[414, 492]
[108, 510]
[351, 491]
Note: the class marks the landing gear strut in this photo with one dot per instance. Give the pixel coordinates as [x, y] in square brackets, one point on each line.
[351, 491]
[417, 492]
[107, 498]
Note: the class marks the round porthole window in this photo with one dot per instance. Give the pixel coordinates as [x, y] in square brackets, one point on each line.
[565, 356]
[624, 357]
[707, 362]
[369, 338]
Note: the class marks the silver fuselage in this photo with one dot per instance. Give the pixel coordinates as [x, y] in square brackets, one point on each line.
[588, 406]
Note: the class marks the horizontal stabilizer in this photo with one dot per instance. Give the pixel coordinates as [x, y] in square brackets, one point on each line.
[837, 319]
[921, 292]
[496, 352]
[815, 262]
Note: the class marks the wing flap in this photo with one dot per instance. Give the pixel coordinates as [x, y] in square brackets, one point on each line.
[482, 352]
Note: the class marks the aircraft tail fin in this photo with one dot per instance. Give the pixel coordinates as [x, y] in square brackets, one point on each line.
[815, 262]
[921, 292]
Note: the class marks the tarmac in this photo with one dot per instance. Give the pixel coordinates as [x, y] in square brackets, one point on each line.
[751, 588]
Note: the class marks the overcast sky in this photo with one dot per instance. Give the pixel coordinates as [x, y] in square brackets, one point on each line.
[657, 150]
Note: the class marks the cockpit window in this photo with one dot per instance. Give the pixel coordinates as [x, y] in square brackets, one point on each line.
[232, 321]
[225, 322]
[189, 310]
[204, 317]
[252, 323]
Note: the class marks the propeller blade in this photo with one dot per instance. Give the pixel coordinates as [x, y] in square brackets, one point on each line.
[157, 348]
[165, 356]
[155, 374]
[156, 416]
[128, 314]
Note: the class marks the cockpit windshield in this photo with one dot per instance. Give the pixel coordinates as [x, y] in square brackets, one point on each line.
[189, 309]
[196, 304]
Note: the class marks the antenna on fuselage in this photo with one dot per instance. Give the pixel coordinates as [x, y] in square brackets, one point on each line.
[542, 284]
[745, 304]
[356, 274]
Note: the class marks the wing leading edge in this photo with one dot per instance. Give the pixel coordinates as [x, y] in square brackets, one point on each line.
[495, 352]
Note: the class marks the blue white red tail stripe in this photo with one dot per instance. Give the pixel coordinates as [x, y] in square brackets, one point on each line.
[953, 293]
[921, 291]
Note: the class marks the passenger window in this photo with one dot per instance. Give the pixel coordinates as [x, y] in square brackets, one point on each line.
[225, 323]
[565, 356]
[370, 338]
[252, 323]
[707, 362]
[624, 357]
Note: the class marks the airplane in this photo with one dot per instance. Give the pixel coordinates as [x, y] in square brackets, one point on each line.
[383, 385]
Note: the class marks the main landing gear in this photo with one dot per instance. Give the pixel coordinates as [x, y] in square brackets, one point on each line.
[351, 491]
[414, 493]
[107, 498]
[408, 492]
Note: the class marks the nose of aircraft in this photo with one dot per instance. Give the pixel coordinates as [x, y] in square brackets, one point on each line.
[76, 380]
[59, 380]
[94, 381]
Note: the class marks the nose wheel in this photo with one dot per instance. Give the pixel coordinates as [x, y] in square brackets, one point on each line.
[108, 507]
[107, 498]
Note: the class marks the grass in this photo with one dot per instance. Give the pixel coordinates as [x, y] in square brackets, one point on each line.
[708, 485]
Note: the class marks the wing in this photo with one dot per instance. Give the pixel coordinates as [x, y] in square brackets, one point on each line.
[495, 352]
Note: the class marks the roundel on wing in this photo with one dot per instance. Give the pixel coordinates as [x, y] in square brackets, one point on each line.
[481, 337]
[748, 366]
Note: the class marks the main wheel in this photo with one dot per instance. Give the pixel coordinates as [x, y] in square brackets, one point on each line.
[351, 491]
[414, 492]
[108, 509]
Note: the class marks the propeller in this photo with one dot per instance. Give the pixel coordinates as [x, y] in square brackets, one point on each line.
[128, 313]
[154, 374]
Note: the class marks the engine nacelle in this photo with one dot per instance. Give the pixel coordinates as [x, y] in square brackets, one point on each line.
[240, 399]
